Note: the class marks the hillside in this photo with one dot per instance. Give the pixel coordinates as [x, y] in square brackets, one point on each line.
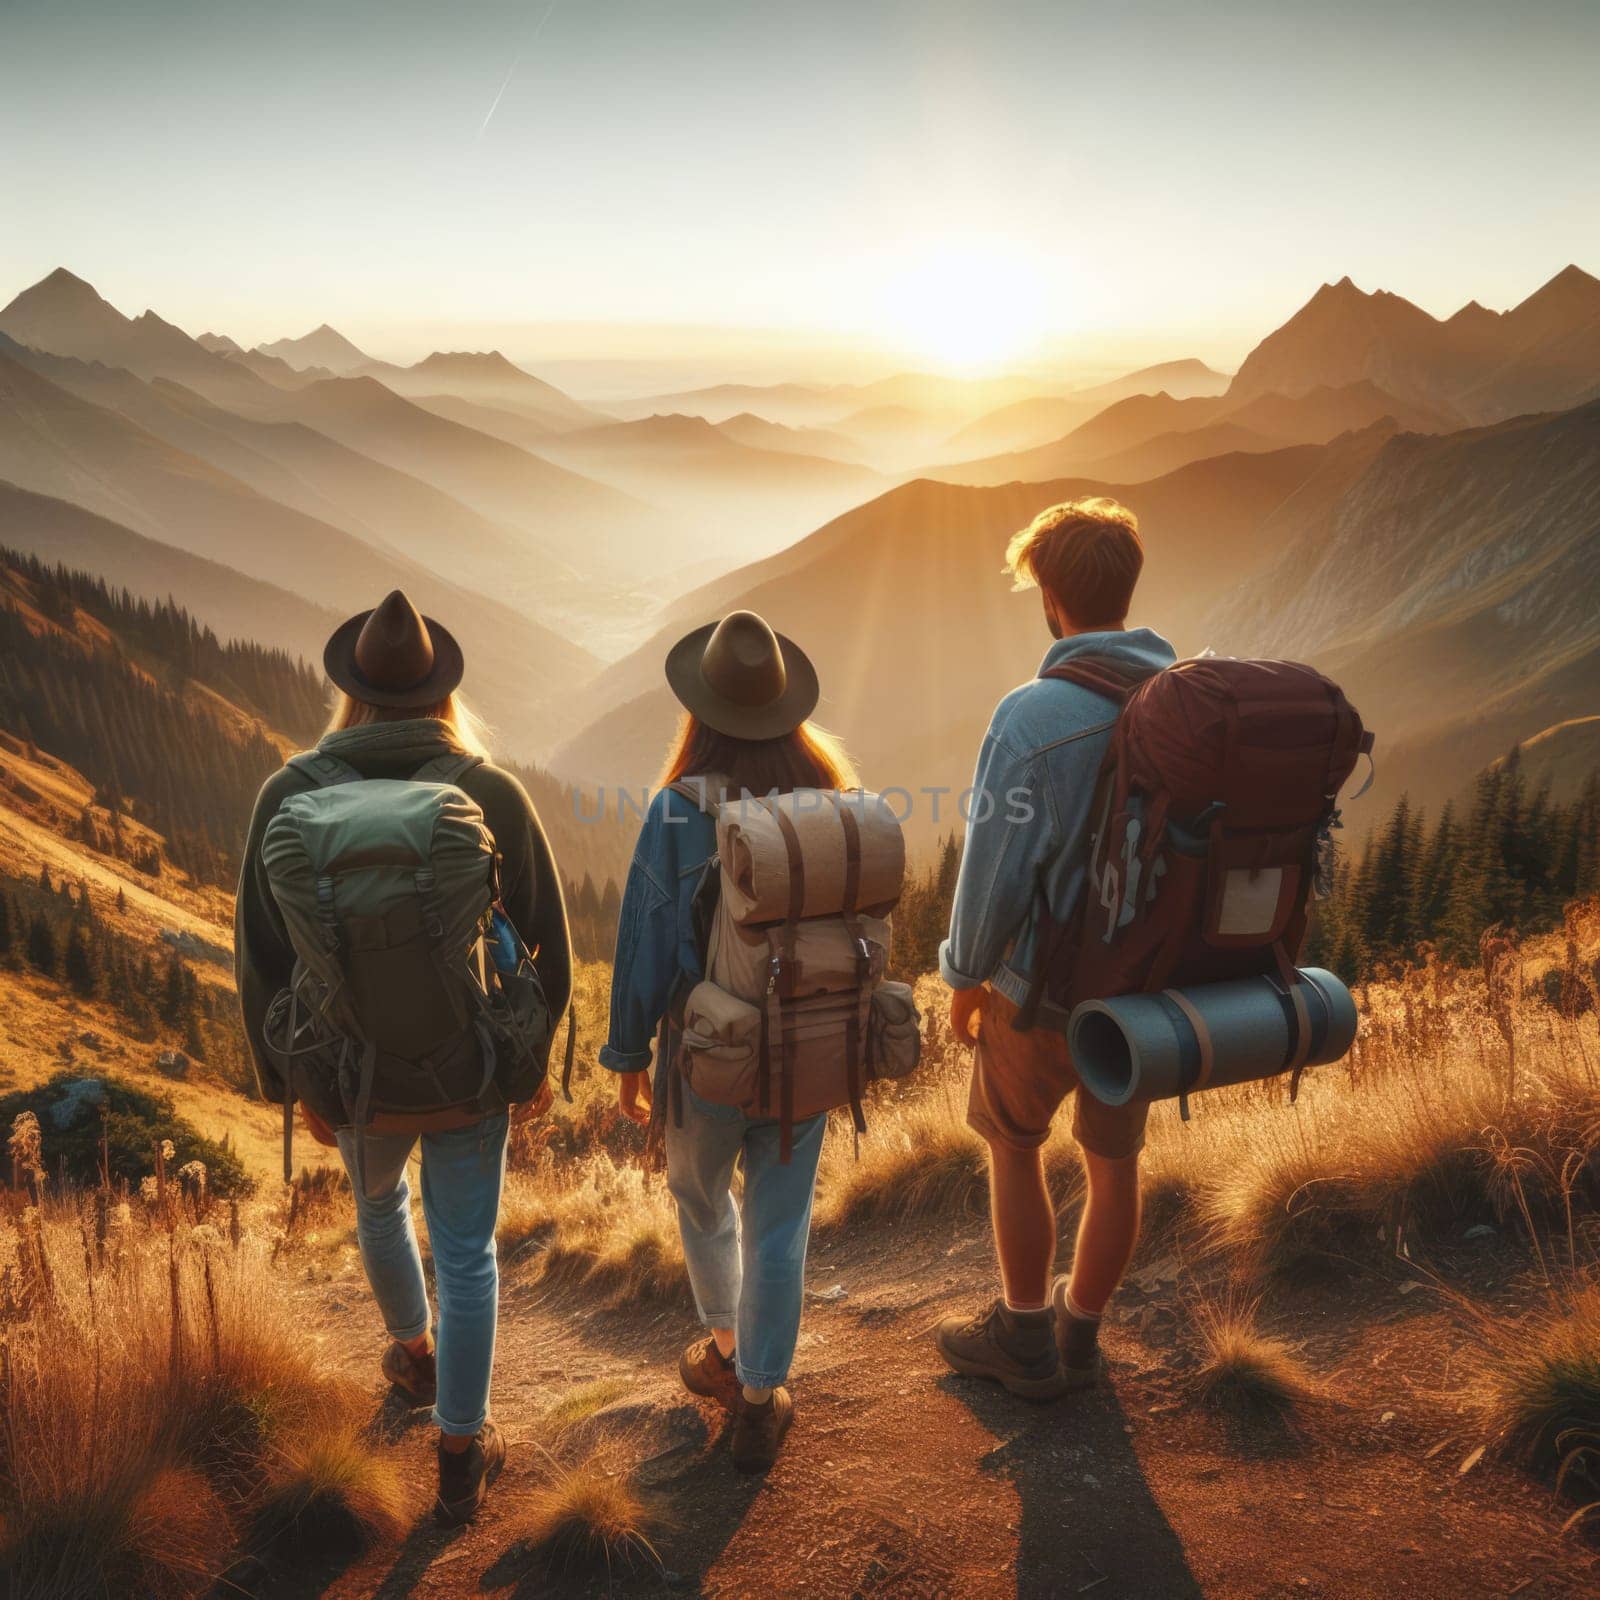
[225, 600]
[486, 378]
[1147, 435]
[739, 500]
[896, 600]
[53, 443]
[1451, 588]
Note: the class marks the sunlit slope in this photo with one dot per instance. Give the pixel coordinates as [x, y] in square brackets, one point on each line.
[914, 628]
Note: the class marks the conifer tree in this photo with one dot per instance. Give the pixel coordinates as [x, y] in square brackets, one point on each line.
[42, 945]
[78, 965]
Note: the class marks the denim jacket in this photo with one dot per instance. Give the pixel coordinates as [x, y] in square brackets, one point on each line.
[1030, 813]
[655, 937]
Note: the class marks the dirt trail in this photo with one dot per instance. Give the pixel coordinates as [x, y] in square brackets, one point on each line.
[902, 1480]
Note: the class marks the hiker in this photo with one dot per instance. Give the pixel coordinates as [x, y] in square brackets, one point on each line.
[747, 693]
[413, 971]
[1023, 866]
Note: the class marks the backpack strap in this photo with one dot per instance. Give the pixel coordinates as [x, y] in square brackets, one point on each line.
[1107, 676]
[323, 769]
[783, 973]
[1115, 680]
[705, 794]
[449, 768]
[856, 1024]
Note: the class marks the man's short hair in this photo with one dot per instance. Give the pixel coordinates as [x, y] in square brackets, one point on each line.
[1086, 554]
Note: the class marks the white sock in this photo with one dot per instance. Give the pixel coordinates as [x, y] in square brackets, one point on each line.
[1075, 1310]
[756, 1397]
[1025, 1311]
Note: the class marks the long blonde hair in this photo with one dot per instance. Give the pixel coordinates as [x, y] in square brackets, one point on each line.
[470, 731]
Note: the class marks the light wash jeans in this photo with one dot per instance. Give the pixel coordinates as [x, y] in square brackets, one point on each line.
[747, 1265]
[462, 1173]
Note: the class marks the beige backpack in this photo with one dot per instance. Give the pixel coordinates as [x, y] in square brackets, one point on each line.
[794, 1016]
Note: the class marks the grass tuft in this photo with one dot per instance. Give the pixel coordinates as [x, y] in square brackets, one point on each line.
[585, 1515]
[1541, 1378]
[1243, 1372]
[583, 1401]
[327, 1490]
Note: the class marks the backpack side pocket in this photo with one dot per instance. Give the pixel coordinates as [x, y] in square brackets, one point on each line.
[894, 1032]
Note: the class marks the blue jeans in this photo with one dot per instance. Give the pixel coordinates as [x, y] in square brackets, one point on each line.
[747, 1265]
[462, 1172]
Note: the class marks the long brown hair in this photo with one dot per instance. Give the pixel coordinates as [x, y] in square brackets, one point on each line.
[808, 758]
[453, 711]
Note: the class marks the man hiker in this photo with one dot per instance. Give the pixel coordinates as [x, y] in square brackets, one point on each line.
[1025, 861]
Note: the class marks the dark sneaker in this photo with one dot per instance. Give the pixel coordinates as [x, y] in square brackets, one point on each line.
[1076, 1342]
[706, 1371]
[759, 1430]
[1015, 1348]
[416, 1377]
[465, 1475]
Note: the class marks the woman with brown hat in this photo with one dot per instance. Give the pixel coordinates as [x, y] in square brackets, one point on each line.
[398, 716]
[747, 693]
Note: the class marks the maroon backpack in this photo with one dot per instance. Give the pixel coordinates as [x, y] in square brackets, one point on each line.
[1216, 790]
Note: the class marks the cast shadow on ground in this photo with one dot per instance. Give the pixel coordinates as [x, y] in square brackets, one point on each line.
[1089, 1522]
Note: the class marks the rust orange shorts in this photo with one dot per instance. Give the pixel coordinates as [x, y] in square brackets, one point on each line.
[1019, 1081]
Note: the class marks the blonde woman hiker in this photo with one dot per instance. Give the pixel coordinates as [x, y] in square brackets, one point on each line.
[747, 693]
[393, 885]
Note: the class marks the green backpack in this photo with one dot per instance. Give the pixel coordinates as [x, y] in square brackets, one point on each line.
[388, 888]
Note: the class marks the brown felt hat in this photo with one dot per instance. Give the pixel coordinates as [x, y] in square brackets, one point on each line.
[742, 679]
[393, 656]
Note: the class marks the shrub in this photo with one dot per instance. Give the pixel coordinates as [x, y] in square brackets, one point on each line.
[135, 1122]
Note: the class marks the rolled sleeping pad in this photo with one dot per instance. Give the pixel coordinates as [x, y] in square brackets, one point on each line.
[1155, 1046]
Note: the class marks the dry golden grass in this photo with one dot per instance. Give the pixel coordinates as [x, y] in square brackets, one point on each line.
[1541, 1377]
[583, 1514]
[157, 1403]
[1244, 1372]
[328, 1489]
[608, 1227]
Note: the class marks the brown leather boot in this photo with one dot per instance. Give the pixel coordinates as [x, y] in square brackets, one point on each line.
[465, 1476]
[416, 1377]
[758, 1430]
[706, 1371]
[1014, 1348]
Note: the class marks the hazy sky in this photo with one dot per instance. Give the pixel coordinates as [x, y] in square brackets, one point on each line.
[955, 182]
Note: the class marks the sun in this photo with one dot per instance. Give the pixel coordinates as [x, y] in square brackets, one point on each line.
[964, 305]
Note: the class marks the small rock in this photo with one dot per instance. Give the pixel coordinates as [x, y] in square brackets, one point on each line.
[1481, 1231]
[1388, 1416]
[172, 1064]
[836, 1292]
[76, 1099]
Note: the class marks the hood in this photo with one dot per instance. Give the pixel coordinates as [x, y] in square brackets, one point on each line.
[1139, 646]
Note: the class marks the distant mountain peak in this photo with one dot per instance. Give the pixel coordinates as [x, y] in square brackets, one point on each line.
[324, 346]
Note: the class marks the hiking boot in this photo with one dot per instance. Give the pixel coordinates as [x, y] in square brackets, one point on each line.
[1015, 1348]
[759, 1430]
[1077, 1342]
[706, 1371]
[416, 1377]
[465, 1475]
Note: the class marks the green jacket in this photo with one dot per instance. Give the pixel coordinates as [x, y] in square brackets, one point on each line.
[530, 886]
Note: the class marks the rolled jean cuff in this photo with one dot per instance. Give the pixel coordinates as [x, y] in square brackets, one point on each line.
[757, 1380]
[457, 1431]
[414, 1333]
[708, 1320]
